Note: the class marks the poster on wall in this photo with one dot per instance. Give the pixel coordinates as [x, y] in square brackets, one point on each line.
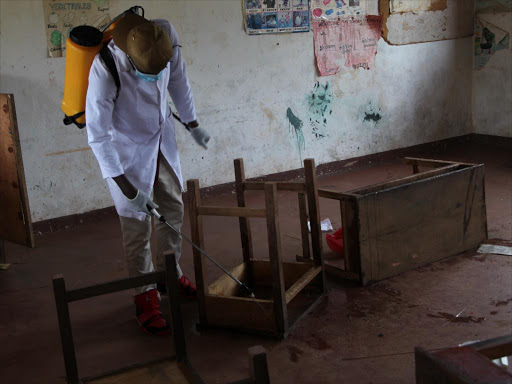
[488, 40]
[351, 40]
[61, 16]
[332, 9]
[407, 6]
[493, 6]
[275, 16]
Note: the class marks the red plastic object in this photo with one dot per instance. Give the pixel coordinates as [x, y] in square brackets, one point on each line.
[335, 241]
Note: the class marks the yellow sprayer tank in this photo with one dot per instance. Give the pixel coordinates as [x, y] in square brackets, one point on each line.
[83, 44]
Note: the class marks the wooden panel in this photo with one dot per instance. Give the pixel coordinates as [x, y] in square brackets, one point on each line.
[15, 222]
[258, 368]
[294, 186]
[225, 285]
[314, 209]
[240, 312]
[231, 211]
[274, 252]
[245, 225]
[196, 230]
[115, 286]
[461, 365]
[494, 348]
[429, 162]
[159, 373]
[418, 223]
[300, 284]
[349, 215]
[291, 271]
[304, 232]
[406, 180]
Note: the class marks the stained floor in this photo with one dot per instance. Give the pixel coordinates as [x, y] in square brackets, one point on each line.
[357, 335]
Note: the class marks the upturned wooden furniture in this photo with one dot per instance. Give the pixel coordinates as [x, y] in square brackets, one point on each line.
[471, 364]
[402, 224]
[223, 304]
[173, 369]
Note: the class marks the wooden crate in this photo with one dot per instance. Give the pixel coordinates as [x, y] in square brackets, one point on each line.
[399, 225]
[278, 286]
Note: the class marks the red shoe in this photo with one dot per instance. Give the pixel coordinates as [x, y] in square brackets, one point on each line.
[148, 313]
[187, 288]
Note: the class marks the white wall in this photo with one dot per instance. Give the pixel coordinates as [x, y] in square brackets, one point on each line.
[243, 86]
[492, 86]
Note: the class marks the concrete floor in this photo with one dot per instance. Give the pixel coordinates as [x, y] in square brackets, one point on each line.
[357, 335]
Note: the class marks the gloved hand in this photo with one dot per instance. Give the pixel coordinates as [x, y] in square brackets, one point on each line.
[140, 202]
[200, 136]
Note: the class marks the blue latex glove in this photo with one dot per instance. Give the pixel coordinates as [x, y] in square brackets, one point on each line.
[200, 136]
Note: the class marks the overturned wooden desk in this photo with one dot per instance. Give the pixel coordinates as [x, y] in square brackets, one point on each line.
[278, 285]
[175, 368]
[399, 225]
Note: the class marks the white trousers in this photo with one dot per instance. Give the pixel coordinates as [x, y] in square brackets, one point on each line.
[136, 234]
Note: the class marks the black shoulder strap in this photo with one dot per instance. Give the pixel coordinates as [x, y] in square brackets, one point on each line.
[108, 59]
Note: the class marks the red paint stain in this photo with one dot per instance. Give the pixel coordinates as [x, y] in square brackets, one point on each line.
[10, 149]
[294, 353]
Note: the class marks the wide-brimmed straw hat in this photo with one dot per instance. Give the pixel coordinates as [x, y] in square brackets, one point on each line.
[147, 44]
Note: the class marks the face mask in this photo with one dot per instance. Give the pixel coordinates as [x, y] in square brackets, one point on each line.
[148, 77]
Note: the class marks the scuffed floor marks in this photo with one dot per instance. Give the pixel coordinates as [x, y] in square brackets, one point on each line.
[319, 104]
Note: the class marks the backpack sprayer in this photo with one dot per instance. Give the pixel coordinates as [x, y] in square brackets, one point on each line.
[155, 213]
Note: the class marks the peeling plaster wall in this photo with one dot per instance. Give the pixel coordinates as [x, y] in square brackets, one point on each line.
[492, 86]
[253, 93]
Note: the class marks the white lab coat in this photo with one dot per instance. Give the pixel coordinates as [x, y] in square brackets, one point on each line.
[126, 133]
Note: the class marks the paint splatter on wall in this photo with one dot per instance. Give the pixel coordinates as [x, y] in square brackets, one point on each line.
[320, 108]
[372, 114]
[297, 124]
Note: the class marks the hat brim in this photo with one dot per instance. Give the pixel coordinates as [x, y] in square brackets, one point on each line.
[124, 26]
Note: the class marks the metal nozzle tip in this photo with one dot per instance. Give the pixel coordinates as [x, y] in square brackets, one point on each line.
[252, 296]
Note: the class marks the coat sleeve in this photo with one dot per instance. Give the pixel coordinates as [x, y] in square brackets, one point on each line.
[179, 86]
[101, 94]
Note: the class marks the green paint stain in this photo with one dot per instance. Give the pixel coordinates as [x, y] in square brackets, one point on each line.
[297, 124]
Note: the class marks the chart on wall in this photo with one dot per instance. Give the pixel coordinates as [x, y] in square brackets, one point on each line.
[350, 40]
[276, 16]
[61, 16]
[331, 9]
[488, 39]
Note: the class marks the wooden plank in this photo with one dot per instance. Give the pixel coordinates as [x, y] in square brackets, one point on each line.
[494, 348]
[406, 180]
[16, 221]
[262, 272]
[226, 286]
[245, 225]
[258, 368]
[428, 162]
[458, 365]
[340, 273]
[422, 222]
[304, 232]
[66, 335]
[231, 211]
[300, 284]
[274, 252]
[115, 286]
[350, 225]
[196, 230]
[178, 330]
[240, 312]
[314, 210]
[294, 186]
[164, 372]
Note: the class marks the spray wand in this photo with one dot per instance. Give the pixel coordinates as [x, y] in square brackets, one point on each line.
[155, 213]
